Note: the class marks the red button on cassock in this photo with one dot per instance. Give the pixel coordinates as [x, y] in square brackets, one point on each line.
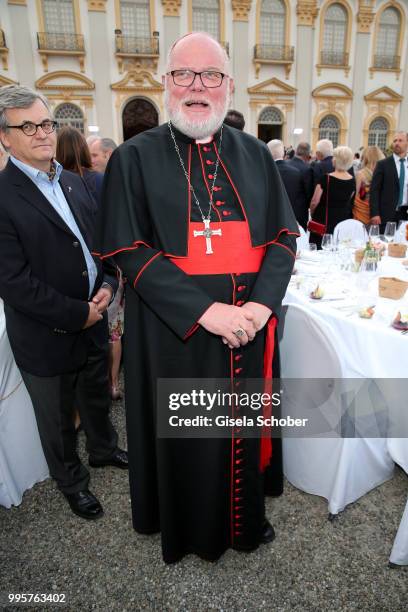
[241, 287]
[240, 302]
[226, 213]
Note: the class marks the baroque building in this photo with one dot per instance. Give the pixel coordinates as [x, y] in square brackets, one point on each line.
[303, 69]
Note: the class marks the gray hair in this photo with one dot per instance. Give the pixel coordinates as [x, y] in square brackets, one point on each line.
[225, 54]
[16, 96]
[303, 149]
[107, 144]
[343, 157]
[325, 147]
[276, 148]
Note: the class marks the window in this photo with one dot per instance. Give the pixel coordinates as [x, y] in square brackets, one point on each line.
[206, 17]
[329, 128]
[334, 36]
[69, 114]
[272, 23]
[378, 133]
[135, 18]
[387, 42]
[270, 115]
[59, 16]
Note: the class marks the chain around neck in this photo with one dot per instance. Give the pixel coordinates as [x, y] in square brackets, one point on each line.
[208, 216]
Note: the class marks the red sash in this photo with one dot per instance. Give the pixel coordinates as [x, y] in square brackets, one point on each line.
[232, 251]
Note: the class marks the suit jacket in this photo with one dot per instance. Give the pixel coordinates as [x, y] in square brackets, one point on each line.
[305, 194]
[293, 182]
[43, 274]
[384, 190]
[320, 168]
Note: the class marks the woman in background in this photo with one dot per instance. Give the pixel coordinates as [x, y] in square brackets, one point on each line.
[73, 154]
[361, 208]
[334, 194]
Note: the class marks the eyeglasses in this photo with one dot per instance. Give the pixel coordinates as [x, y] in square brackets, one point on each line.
[209, 78]
[30, 129]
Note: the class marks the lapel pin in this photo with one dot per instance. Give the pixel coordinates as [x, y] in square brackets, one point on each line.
[69, 188]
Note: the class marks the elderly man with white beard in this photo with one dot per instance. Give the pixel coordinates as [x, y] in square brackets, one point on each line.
[195, 215]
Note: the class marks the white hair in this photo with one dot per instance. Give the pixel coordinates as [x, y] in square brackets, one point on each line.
[325, 147]
[343, 157]
[276, 148]
[207, 35]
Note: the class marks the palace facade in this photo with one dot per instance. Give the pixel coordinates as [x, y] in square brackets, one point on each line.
[303, 69]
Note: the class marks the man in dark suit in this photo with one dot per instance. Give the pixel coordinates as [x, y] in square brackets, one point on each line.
[388, 191]
[55, 296]
[291, 178]
[324, 160]
[301, 161]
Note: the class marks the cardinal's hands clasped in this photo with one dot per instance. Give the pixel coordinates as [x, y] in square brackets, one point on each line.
[236, 325]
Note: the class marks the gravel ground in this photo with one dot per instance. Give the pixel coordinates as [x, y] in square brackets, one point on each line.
[105, 565]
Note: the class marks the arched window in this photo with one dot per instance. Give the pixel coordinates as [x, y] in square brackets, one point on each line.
[206, 17]
[387, 41]
[69, 114]
[335, 36]
[378, 133]
[272, 23]
[270, 115]
[59, 16]
[329, 128]
[135, 18]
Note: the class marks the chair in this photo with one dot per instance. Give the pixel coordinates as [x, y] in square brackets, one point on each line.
[339, 469]
[303, 240]
[22, 461]
[350, 229]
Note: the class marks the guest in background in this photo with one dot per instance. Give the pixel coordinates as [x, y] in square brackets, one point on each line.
[388, 193]
[324, 160]
[301, 161]
[73, 154]
[291, 177]
[361, 208]
[101, 149]
[235, 119]
[356, 163]
[334, 193]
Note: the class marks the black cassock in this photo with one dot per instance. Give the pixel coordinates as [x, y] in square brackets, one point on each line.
[204, 495]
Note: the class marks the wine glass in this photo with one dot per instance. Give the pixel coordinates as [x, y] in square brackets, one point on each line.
[389, 232]
[312, 247]
[374, 233]
[327, 242]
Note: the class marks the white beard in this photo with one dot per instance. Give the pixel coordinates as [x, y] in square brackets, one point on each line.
[197, 129]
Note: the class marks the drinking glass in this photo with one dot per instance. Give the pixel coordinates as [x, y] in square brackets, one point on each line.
[312, 247]
[389, 232]
[374, 233]
[327, 242]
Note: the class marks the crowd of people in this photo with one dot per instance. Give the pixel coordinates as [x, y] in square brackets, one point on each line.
[337, 185]
[195, 216]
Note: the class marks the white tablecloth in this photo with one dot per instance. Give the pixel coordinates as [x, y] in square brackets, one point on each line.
[22, 461]
[332, 341]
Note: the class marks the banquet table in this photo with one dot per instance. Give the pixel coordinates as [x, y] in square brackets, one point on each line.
[333, 342]
[22, 461]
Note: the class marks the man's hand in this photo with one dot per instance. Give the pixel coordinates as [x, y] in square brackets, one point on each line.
[94, 315]
[375, 220]
[102, 298]
[224, 319]
[260, 312]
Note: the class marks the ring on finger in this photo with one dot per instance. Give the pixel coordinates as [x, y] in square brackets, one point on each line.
[239, 332]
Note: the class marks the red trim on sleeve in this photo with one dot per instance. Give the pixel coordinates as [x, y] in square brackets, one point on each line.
[135, 246]
[144, 267]
[191, 331]
[284, 247]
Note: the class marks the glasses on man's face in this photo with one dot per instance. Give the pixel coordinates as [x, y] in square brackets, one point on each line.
[30, 129]
[209, 78]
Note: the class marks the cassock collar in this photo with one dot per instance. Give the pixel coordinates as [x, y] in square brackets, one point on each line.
[184, 138]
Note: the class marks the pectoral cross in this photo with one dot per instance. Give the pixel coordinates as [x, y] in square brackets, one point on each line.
[207, 232]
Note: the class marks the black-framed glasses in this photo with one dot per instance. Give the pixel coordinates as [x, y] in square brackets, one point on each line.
[209, 78]
[30, 128]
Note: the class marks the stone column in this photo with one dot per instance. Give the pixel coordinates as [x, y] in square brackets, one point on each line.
[240, 64]
[171, 25]
[24, 62]
[365, 17]
[306, 11]
[100, 58]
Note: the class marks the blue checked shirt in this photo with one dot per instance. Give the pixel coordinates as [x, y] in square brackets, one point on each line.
[54, 194]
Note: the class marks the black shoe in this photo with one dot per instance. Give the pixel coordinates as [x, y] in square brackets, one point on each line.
[84, 504]
[119, 459]
[268, 532]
